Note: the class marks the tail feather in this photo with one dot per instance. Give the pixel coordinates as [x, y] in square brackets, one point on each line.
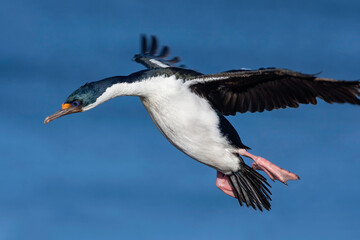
[250, 188]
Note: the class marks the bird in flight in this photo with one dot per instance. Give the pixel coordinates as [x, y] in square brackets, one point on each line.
[188, 108]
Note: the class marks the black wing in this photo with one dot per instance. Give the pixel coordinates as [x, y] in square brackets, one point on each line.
[147, 56]
[267, 89]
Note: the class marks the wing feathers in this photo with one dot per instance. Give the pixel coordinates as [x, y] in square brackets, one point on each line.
[268, 89]
[153, 48]
[143, 45]
[164, 52]
[148, 57]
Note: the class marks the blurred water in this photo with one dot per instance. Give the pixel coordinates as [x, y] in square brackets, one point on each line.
[109, 174]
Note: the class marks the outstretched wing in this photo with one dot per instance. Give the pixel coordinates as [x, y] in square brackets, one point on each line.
[148, 58]
[267, 89]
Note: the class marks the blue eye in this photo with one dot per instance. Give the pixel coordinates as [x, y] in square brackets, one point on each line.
[75, 103]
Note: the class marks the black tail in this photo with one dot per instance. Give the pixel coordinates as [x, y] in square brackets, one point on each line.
[250, 188]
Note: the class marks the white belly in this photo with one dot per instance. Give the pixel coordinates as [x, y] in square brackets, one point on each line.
[190, 124]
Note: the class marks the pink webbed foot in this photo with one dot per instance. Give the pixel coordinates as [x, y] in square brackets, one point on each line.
[222, 182]
[273, 171]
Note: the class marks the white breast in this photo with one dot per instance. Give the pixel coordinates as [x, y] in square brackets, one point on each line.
[189, 123]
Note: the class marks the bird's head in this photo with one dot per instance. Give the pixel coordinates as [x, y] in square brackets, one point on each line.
[85, 98]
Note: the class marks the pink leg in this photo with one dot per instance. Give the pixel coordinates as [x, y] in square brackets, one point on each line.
[274, 172]
[222, 182]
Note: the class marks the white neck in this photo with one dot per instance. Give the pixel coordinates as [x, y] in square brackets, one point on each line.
[142, 88]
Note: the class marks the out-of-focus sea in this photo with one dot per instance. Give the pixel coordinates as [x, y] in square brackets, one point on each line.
[110, 174]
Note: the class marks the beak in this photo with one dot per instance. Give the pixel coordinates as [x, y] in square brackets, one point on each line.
[65, 110]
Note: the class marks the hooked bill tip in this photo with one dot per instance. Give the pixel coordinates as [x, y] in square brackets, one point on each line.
[65, 110]
[47, 120]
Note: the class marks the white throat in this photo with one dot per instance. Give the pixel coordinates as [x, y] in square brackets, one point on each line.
[144, 88]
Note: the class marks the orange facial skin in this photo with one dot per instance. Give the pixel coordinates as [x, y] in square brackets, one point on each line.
[65, 105]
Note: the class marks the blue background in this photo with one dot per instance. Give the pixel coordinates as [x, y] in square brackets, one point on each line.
[110, 174]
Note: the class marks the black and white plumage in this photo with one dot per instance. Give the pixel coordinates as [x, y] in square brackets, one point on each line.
[188, 109]
[148, 58]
